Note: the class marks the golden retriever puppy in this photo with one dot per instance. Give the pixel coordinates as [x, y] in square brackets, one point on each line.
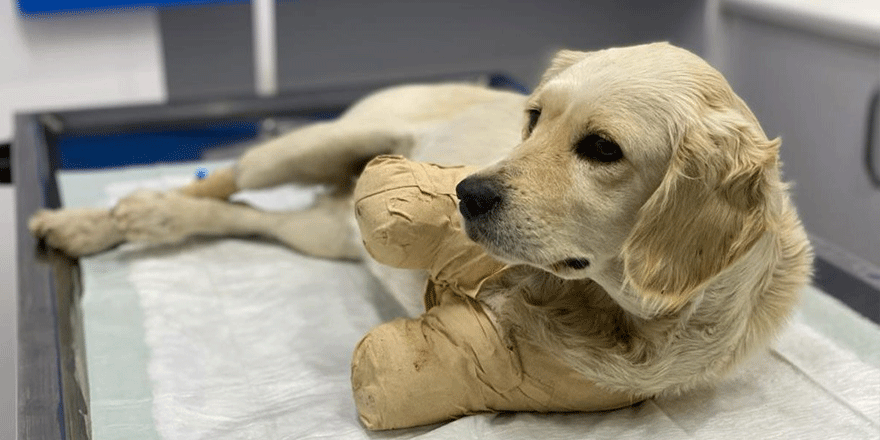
[646, 202]
[656, 245]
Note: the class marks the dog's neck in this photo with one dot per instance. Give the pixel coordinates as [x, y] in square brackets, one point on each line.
[610, 276]
[592, 323]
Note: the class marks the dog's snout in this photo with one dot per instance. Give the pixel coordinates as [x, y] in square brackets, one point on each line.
[478, 196]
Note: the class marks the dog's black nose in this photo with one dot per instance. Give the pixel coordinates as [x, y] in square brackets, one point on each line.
[478, 196]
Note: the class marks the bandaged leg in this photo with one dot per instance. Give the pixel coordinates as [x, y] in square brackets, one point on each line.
[451, 362]
[408, 217]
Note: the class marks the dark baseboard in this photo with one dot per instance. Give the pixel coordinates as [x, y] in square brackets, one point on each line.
[849, 289]
[5, 167]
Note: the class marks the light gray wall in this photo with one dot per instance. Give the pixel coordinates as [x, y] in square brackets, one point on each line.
[333, 43]
[347, 41]
[8, 283]
[77, 61]
[208, 50]
[813, 89]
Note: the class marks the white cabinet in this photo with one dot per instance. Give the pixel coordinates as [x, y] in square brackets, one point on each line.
[812, 85]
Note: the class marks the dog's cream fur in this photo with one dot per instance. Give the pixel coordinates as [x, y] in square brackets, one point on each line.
[696, 254]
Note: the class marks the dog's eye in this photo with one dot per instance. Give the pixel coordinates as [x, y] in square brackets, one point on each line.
[534, 115]
[596, 148]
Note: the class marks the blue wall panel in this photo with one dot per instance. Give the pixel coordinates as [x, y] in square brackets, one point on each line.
[49, 6]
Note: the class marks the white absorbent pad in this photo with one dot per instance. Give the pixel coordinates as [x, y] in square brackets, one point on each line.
[242, 339]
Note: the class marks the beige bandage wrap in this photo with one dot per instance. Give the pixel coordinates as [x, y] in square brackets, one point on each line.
[408, 216]
[451, 361]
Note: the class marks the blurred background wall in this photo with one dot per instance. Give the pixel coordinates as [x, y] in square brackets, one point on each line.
[77, 60]
[349, 41]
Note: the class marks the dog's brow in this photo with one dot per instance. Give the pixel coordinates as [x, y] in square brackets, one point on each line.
[553, 93]
[594, 127]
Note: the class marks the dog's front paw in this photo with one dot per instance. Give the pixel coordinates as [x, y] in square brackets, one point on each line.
[156, 217]
[76, 232]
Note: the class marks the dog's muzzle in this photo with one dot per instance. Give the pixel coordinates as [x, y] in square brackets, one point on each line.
[478, 197]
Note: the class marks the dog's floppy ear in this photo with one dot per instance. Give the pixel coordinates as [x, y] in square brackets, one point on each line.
[562, 60]
[710, 208]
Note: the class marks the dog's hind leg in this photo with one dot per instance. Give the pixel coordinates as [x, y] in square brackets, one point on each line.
[324, 230]
[218, 185]
[78, 231]
[324, 153]
[85, 231]
[321, 153]
[153, 217]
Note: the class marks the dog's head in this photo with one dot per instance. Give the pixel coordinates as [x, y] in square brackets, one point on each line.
[640, 158]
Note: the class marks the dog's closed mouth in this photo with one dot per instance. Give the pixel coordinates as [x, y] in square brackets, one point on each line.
[571, 263]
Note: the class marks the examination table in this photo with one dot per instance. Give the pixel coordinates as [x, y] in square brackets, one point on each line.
[245, 339]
